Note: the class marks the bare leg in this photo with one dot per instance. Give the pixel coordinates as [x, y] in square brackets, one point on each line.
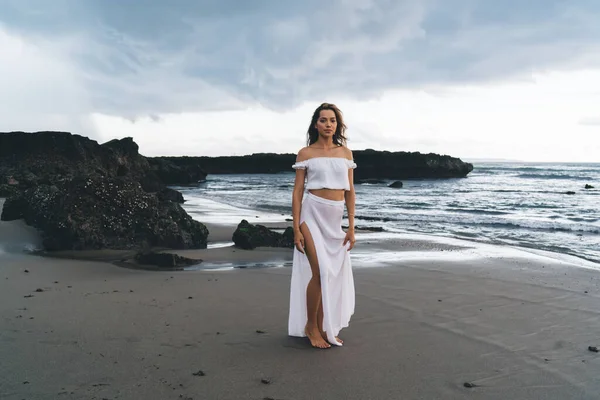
[320, 322]
[313, 293]
[320, 318]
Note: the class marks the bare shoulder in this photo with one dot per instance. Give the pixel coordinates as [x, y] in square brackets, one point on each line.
[303, 154]
[348, 153]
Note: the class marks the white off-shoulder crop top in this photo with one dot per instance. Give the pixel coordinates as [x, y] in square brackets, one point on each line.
[326, 172]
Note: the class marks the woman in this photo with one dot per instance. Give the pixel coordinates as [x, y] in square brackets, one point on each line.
[322, 284]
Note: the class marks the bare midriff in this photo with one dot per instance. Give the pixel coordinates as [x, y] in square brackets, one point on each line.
[329, 194]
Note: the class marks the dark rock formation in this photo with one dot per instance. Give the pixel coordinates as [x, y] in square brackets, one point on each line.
[103, 212]
[396, 184]
[168, 194]
[185, 171]
[164, 260]
[588, 186]
[372, 164]
[248, 236]
[8, 190]
[8, 186]
[260, 163]
[84, 195]
[403, 165]
[48, 157]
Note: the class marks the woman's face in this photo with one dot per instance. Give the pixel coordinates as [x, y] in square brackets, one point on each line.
[327, 123]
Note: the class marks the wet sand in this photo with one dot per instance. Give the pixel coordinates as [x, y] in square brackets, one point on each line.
[430, 317]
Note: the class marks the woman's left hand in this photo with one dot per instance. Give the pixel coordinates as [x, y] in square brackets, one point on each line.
[350, 238]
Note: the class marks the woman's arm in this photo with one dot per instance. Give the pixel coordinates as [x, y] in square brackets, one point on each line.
[297, 194]
[350, 198]
[350, 195]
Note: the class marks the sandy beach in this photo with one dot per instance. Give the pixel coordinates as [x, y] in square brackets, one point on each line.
[431, 316]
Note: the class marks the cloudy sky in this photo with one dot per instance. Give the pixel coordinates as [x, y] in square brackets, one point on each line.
[508, 79]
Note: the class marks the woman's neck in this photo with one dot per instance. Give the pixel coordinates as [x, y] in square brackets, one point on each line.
[325, 144]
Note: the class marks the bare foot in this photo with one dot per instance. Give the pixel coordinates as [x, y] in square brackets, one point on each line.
[324, 336]
[316, 340]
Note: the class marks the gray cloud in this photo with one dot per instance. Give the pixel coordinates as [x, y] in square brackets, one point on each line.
[590, 121]
[153, 57]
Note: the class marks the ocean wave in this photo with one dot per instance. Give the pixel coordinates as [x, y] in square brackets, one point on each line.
[415, 206]
[536, 241]
[533, 227]
[556, 249]
[588, 168]
[534, 210]
[553, 176]
[19, 248]
[537, 206]
[282, 209]
[477, 211]
[502, 225]
[589, 192]
[509, 169]
[508, 207]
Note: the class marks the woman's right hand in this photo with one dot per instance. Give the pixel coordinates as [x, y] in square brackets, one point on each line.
[299, 241]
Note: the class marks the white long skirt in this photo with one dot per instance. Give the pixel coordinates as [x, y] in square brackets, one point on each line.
[323, 218]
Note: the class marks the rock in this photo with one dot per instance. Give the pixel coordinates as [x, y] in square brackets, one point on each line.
[177, 170]
[469, 385]
[248, 236]
[49, 165]
[408, 165]
[593, 349]
[35, 158]
[588, 186]
[96, 213]
[168, 194]
[50, 157]
[8, 186]
[8, 190]
[164, 260]
[372, 164]
[396, 184]
[125, 146]
[199, 373]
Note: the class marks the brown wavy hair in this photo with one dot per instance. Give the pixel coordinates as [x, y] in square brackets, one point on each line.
[339, 137]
